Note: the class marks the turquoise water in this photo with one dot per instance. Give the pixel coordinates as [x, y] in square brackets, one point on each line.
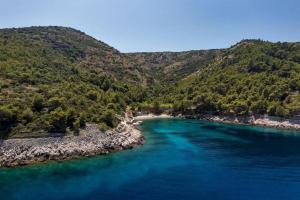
[182, 159]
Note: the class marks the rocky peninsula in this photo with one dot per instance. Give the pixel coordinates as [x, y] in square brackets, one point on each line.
[91, 141]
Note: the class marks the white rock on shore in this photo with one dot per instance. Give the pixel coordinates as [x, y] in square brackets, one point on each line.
[262, 120]
[266, 121]
[14, 152]
[152, 116]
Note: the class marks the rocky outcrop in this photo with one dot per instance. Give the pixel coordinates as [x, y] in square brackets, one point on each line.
[91, 141]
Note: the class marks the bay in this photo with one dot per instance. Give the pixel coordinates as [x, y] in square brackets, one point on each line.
[181, 159]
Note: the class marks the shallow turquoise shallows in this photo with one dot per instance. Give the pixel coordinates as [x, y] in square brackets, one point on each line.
[182, 159]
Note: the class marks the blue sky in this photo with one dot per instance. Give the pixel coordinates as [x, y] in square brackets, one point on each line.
[162, 25]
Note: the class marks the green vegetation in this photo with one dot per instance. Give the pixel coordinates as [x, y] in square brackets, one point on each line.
[252, 77]
[44, 88]
[56, 79]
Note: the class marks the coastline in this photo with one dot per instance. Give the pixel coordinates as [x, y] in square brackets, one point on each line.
[152, 116]
[90, 142]
[262, 121]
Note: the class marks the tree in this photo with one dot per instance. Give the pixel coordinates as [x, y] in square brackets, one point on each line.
[54, 103]
[276, 109]
[240, 107]
[82, 120]
[109, 118]
[38, 102]
[58, 121]
[71, 117]
[92, 95]
[7, 116]
[105, 84]
[156, 107]
[258, 107]
[27, 115]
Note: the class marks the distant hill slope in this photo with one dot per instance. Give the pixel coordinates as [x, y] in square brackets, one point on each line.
[172, 66]
[252, 77]
[73, 46]
[86, 52]
[56, 79]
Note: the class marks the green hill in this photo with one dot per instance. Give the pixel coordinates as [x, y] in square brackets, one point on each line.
[171, 66]
[56, 79]
[252, 77]
[48, 86]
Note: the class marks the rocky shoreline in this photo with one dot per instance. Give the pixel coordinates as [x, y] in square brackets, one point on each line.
[91, 141]
[262, 120]
[258, 120]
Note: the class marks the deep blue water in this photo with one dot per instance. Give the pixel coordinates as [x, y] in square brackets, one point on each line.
[182, 159]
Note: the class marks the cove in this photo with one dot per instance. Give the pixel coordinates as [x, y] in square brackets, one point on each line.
[181, 159]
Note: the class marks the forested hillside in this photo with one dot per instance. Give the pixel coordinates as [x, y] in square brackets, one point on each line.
[47, 85]
[252, 77]
[56, 79]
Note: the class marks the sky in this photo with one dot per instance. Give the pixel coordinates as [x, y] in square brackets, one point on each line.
[162, 25]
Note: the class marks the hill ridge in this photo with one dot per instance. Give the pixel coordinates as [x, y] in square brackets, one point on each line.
[56, 79]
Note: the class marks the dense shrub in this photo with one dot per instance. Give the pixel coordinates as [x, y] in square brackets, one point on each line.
[109, 118]
[27, 115]
[7, 116]
[38, 102]
[58, 121]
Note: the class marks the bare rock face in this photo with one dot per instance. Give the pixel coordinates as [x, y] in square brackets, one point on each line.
[90, 142]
